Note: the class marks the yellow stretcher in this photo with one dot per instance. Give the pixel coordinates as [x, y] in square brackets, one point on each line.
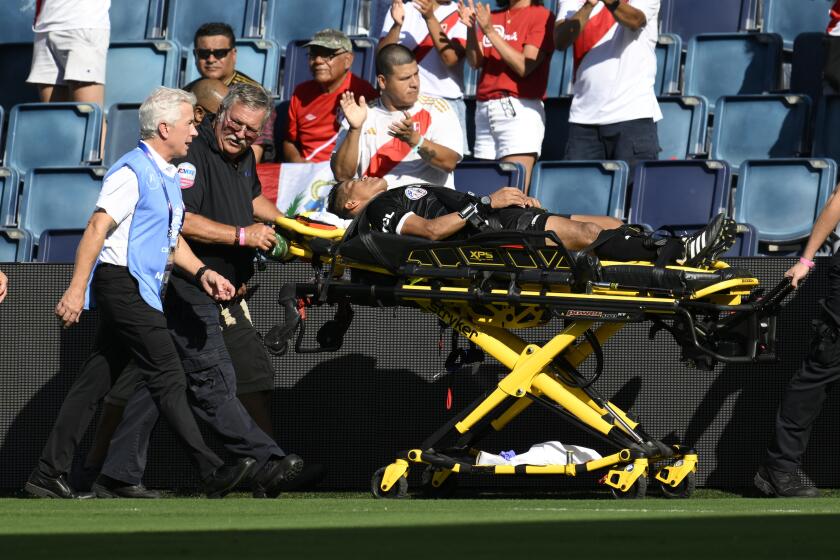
[494, 282]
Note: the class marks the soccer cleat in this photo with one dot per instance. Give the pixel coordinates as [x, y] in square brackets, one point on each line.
[782, 484]
[705, 246]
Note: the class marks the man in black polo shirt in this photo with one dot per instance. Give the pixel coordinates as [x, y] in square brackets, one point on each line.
[436, 213]
[221, 351]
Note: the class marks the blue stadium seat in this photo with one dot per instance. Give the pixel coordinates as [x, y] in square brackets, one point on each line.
[782, 198]
[732, 64]
[291, 20]
[9, 187]
[281, 109]
[789, 18]
[259, 59]
[123, 131]
[54, 134]
[184, 17]
[746, 242]
[560, 73]
[807, 65]
[136, 68]
[826, 139]
[58, 245]
[2, 122]
[759, 127]
[668, 58]
[581, 187]
[136, 20]
[556, 128]
[15, 62]
[688, 18]
[15, 245]
[59, 198]
[16, 23]
[486, 177]
[296, 69]
[682, 130]
[681, 195]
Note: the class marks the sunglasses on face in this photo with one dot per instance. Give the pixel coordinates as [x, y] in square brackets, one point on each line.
[218, 54]
[328, 56]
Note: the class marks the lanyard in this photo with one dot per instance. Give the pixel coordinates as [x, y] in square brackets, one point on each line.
[172, 234]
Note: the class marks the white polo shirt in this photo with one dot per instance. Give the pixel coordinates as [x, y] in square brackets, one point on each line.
[615, 80]
[436, 78]
[118, 197]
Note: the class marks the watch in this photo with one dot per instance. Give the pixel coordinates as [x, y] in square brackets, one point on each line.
[486, 202]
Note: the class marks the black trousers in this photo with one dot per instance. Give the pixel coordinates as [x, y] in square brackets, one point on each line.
[211, 380]
[804, 397]
[128, 328]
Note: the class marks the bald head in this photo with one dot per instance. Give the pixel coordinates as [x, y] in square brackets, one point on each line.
[209, 93]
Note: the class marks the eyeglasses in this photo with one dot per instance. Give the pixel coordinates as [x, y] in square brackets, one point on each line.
[327, 57]
[237, 127]
[219, 54]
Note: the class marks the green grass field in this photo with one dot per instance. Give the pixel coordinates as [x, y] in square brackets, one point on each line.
[712, 525]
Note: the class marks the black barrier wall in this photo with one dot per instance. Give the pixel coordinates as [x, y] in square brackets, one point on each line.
[387, 389]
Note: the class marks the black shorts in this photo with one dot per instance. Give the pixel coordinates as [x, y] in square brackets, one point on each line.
[523, 219]
[254, 372]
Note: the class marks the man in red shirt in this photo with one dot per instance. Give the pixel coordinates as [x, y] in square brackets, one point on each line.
[314, 109]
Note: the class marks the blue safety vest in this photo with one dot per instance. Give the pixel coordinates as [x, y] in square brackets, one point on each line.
[155, 226]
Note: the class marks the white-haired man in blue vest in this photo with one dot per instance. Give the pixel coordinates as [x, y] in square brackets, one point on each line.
[122, 267]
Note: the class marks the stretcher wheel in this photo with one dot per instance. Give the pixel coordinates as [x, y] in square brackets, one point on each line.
[682, 490]
[446, 490]
[397, 491]
[635, 492]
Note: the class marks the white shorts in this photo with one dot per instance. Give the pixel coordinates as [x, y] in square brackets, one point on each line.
[508, 126]
[73, 55]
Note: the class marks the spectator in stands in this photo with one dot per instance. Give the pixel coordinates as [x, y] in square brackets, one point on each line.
[433, 30]
[512, 46]
[214, 47]
[209, 93]
[404, 136]
[70, 50]
[614, 108]
[803, 400]
[314, 117]
[126, 269]
[831, 72]
[4, 286]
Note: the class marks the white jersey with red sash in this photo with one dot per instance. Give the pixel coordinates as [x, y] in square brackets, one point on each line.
[382, 155]
[436, 78]
[834, 20]
[615, 67]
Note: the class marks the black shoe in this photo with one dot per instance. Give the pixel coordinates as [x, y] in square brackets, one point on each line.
[44, 486]
[107, 487]
[705, 246]
[225, 479]
[782, 484]
[276, 473]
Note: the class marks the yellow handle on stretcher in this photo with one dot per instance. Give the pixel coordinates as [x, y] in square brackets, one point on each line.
[291, 224]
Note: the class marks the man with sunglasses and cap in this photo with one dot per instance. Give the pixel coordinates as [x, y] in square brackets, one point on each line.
[314, 111]
[214, 47]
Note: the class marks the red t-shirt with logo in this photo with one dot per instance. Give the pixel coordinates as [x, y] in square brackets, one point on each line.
[531, 25]
[314, 118]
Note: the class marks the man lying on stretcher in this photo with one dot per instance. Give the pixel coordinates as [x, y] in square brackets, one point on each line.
[438, 213]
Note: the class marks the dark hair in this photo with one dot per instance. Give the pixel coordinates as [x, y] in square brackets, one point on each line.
[390, 56]
[337, 199]
[215, 28]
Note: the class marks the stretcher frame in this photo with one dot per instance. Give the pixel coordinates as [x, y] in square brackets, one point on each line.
[485, 287]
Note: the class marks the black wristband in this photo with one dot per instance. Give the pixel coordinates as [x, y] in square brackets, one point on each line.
[199, 273]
